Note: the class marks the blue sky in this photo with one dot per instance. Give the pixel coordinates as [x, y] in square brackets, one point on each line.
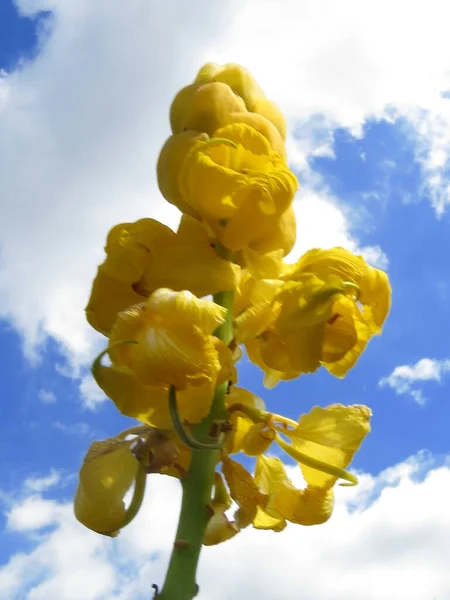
[374, 186]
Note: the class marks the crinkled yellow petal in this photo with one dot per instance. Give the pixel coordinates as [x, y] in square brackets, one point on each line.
[375, 291]
[170, 160]
[209, 106]
[283, 235]
[272, 112]
[243, 490]
[184, 308]
[263, 266]
[240, 80]
[331, 435]
[108, 297]
[108, 471]
[255, 320]
[168, 350]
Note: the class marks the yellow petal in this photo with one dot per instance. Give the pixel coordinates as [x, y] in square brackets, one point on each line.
[255, 320]
[209, 106]
[331, 435]
[108, 297]
[240, 422]
[272, 376]
[150, 404]
[243, 490]
[283, 235]
[175, 345]
[263, 520]
[262, 126]
[263, 266]
[107, 473]
[272, 112]
[311, 506]
[238, 78]
[184, 308]
[170, 160]
[179, 106]
[258, 439]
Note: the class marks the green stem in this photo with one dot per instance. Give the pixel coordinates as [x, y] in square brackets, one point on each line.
[197, 485]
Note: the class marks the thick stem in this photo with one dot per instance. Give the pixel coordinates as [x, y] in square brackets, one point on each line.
[197, 485]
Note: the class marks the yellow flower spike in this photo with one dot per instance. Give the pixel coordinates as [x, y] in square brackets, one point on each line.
[209, 107]
[282, 236]
[219, 528]
[170, 159]
[108, 471]
[258, 439]
[240, 80]
[231, 187]
[243, 490]
[325, 441]
[175, 342]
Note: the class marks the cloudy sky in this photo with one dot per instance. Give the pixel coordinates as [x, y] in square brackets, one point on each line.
[84, 94]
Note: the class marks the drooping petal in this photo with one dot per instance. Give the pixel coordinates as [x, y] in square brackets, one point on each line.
[253, 321]
[240, 422]
[258, 439]
[108, 471]
[219, 528]
[331, 435]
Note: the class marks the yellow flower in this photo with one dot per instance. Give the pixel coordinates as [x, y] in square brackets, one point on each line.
[323, 442]
[145, 256]
[108, 471]
[230, 187]
[175, 345]
[330, 305]
[150, 404]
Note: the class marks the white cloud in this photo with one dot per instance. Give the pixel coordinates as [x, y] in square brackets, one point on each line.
[388, 537]
[404, 378]
[47, 396]
[90, 393]
[40, 484]
[81, 428]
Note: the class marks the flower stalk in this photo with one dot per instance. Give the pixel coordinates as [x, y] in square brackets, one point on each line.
[180, 583]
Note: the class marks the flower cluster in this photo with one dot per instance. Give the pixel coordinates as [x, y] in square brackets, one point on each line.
[173, 351]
